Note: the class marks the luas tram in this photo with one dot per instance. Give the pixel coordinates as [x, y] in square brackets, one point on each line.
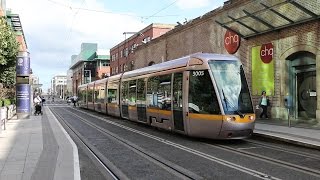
[200, 95]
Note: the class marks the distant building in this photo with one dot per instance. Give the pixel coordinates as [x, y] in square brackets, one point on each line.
[89, 65]
[122, 54]
[69, 83]
[34, 79]
[59, 86]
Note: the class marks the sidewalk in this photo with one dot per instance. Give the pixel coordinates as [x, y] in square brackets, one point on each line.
[37, 148]
[300, 136]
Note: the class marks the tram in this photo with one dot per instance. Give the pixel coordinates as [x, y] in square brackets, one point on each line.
[201, 95]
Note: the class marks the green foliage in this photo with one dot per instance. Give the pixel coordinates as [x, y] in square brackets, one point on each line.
[6, 102]
[9, 48]
[13, 101]
[1, 103]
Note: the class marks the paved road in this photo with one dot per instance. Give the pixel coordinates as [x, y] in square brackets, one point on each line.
[137, 151]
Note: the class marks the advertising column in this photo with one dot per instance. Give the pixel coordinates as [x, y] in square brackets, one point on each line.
[23, 91]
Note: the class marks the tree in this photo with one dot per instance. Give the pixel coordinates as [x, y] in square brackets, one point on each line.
[9, 48]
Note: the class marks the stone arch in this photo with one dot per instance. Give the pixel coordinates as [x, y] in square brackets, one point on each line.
[291, 50]
[285, 55]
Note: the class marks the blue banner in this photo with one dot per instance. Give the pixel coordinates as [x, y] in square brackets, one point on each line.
[23, 66]
[23, 98]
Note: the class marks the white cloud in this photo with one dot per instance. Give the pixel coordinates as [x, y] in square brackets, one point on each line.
[55, 29]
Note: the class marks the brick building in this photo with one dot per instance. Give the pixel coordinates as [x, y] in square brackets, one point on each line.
[122, 54]
[277, 42]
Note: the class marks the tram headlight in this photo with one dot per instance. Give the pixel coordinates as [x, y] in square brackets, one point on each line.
[231, 119]
[252, 118]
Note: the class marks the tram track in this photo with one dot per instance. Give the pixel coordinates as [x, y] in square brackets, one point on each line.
[174, 169]
[244, 152]
[101, 163]
[206, 156]
[295, 152]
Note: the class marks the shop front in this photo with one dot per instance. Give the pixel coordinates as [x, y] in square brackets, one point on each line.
[282, 51]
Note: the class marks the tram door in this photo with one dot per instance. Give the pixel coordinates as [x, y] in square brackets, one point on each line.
[306, 94]
[177, 101]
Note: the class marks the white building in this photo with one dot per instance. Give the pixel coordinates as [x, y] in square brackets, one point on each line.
[59, 86]
[34, 79]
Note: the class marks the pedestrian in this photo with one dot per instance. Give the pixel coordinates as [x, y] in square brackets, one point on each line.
[43, 100]
[37, 101]
[264, 103]
[74, 100]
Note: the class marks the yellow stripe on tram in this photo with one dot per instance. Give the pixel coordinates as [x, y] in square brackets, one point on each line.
[155, 110]
[132, 108]
[113, 105]
[210, 117]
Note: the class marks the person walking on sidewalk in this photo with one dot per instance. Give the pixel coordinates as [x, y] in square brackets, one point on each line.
[264, 103]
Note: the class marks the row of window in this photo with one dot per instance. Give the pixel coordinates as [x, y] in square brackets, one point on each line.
[125, 52]
[166, 90]
[161, 92]
[122, 68]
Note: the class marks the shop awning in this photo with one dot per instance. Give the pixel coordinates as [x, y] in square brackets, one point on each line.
[262, 16]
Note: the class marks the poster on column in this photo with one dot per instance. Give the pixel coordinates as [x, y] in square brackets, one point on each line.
[23, 66]
[262, 69]
[23, 98]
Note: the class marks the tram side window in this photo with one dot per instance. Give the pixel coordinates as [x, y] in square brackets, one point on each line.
[101, 94]
[90, 94]
[112, 92]
[96, 94]
[132, 92]
[164, 92]
[202, 97]
[141, 91]
[125, 92]
[82, 95]
[177, 91]
[152, 89]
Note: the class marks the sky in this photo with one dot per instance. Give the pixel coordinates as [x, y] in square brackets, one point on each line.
[55, 29]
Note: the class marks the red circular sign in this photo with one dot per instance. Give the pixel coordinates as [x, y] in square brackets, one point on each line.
[266, 53]
[231, 42]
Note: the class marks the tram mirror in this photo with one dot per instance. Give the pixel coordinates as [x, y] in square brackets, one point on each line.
[288, 102]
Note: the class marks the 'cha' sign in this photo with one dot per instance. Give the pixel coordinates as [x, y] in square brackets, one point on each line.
[231, 42]
[266, 53]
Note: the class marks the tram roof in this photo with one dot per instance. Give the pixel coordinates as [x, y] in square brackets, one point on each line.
[177, 63]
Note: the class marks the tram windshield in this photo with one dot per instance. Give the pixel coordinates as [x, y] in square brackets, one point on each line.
[232, 86]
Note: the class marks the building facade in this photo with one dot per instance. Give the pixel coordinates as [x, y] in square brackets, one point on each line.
[277, 42]
[91, 64]
[69, 83]
[122, 54]
[59, 86]
[14, 21]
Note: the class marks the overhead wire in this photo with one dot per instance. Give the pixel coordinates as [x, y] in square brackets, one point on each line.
[107, 12]
[117, 13]
[153, 15]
